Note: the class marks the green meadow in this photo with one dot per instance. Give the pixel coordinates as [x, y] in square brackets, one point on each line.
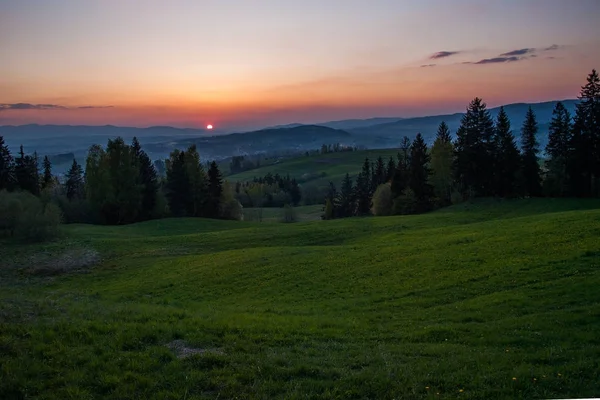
[491, 299]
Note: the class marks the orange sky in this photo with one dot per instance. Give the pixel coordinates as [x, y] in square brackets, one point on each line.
[186, 63]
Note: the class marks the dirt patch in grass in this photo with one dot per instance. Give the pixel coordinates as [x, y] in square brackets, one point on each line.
[182, 350]
[50, 264]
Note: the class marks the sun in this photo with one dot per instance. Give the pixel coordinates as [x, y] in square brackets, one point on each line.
[209, 127]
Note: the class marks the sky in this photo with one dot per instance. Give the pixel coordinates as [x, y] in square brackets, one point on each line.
[254, 63]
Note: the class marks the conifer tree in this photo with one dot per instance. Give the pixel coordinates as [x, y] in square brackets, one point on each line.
[363, 190]
[380, 172]
[215, 189]
[177, 185]
[474, 150]
[47, 178]
[584, 164]
[558, 151]
[27, 172]
[7, 167]
[74, 185]
[419, 172]
[508, 158]
[391, 169]
[530, 162]
[147, 178]
[442, 160]
[346, 198]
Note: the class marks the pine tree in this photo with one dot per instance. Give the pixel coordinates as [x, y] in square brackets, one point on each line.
[178, 190]
[404, 155]
[27, 172]
[391, 169]
[147, 178]
[7, 167]
[473, 166]
[346, 198]
[508, 158]
[558, 150]
[530, 162]
[74, 183]
[419, 172]
[47, 179]
[197, 182]
[380, 172]
[215, 189]
[584, 164]
[363, 190]
[442, 160]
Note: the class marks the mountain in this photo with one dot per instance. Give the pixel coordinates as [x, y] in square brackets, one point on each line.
[346, 123]
[389, 134]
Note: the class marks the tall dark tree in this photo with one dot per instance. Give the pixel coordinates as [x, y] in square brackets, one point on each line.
[584, 164]
[558, 151]
[215, 189]
[27, 172]
[363, 189]
[443, 133]
[404, 155]
[177, 184]
[391, 168]
[346, 198]
[419, 172]
[442, 160]
[295, 192]
[474, 151]
[380, 172]
[508, 158]
[7, 167]
[47, 178]
[74, 185]
[530, 162]
[147, 178]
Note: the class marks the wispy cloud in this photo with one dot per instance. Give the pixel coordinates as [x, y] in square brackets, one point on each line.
[553, 47]
[29, 106]
[443, 54]
[520, 52]
[428, 65]
[496, 60]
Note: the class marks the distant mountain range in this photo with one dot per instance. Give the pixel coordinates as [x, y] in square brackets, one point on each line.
[159, 141]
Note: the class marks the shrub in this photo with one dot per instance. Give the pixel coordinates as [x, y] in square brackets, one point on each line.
[406, 203]
[229, 206]
[26, 217]
[382, 200]
[289, 214]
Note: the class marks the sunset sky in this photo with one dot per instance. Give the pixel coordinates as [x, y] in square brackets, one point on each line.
[253, 63]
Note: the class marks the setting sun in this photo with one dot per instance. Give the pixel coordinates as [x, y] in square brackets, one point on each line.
[209, 126]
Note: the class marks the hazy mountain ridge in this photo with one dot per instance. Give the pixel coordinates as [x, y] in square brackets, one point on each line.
[159, 141]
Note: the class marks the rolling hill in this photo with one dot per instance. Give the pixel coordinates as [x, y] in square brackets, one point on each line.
[481, 300]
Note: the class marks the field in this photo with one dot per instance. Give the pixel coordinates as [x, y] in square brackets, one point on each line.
[333, 165]
[493, 299]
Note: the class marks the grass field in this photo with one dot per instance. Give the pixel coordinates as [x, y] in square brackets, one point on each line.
[497, 299]
[275, 214]
[334, 165]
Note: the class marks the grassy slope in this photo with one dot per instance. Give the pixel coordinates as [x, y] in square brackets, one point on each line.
[493, 300]
[335, 165]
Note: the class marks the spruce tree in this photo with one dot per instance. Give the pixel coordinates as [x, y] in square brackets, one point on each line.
[419, 172]
[584, 171]
[27, 172]
[508, 158]
[404, 155]
[473, 166]
[47, 178]
[391, 169]
[178, 190]
[380, 172]
[346, 198]
[7, 167]
[558, 151]
[74, 185]
[442, 160]
[147, 178]
[215, 189]
[530, 162]
[363, 191]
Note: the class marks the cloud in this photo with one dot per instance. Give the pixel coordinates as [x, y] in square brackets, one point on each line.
[428, 65]
[520, 52]
[443, 54]
[496, 60]
[29, 106]
[553, 47]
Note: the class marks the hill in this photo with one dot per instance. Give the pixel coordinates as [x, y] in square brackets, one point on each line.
[496, 299]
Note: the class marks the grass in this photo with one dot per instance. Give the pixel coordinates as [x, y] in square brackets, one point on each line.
[333, 165]
[496, 299]
[274, 214]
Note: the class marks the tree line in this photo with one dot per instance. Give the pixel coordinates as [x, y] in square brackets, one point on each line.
[483, 160]
[120, 185]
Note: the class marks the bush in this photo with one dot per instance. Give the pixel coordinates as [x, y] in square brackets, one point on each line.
[289, 214]
[406, 203]
[382, 200]
[229, 206]
[26, 217]
[74, 211]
